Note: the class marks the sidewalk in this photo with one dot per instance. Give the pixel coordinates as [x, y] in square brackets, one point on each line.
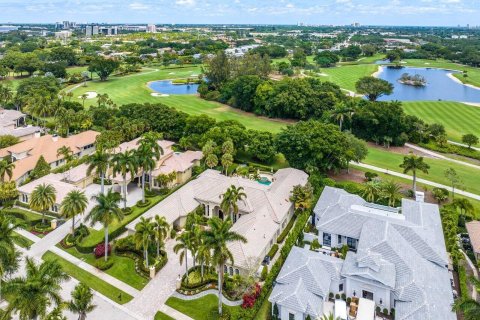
[441, 156]
[427, 182]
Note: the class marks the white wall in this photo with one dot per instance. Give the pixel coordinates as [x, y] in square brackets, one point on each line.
[284, 313]
[378, 292]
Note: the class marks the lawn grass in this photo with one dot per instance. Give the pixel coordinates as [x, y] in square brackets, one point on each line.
[162, 316]
[347, 75]
[123, 268]
[265, 311]
[458, 118]
[28, 241]
[204, 308]
[90, 280]
[390, 160]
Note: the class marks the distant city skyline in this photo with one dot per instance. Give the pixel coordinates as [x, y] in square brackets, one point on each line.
[320, 12]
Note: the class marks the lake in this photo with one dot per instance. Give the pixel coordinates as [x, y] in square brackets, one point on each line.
[167, 87]
[439, 86]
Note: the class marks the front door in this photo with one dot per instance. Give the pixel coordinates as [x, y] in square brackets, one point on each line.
[367, 295]
[220, 214]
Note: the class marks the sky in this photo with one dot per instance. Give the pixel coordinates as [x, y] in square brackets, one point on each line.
[325, 12]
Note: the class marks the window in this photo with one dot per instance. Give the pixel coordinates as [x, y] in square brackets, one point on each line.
[237, 272]
[352, 243]
[327, 239]
[291, 316]
[225, 269]
[340, 287]
[231, 271]
[339, 239]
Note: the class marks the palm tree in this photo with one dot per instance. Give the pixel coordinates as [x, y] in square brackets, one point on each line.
[217, 238]
[302, 198]
[469, 307]
[330, 316]
[124, 163]
[6, 169]
[66, 152]
[8, 236]
[465, 206]
[106, 211]
[161, 229]
[230, 199]
[75, 202]
[81, 302]
[412, 163]
[371, 190]
[211, 160]
[227, 160]
[99, 162]
[31, 295]
[83, 97]
[182, 246]
[43, 197]
[149, 141]
[391, 192]
[144, 232]
[203, 255]
[341, 112]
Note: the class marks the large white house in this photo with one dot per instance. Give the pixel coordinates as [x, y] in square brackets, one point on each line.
[397, 259]
[262, 215]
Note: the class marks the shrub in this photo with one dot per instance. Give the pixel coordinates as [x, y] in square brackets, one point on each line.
[369, 176]
[284, 233]
[378, 309]
[103, 265]
[330, 295]
[440, 194]
[127, 211]
[344, 297]
[392, 312]
[173, 233]
[328, 182]
[273, 251]
[100, 250]
[264, 273]
[337, 296]
[385, 311]
[349, 300]
[141, 204]
[249, 299]
[315, 244]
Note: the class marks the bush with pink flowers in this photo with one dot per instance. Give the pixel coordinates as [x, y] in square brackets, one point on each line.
[100, 250]
[250, 298]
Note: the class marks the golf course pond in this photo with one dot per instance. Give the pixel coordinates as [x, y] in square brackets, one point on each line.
[167, 87]
[440, 85]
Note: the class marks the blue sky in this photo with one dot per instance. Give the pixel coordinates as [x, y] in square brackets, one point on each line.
[338, 12]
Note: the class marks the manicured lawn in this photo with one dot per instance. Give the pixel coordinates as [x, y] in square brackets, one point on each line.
[162, 316]
[28, 241]
[93, 282]
[199, 309]
[347, 75]
[473, 73]
[389, 160]
[123, 268]
[265, 311]
[458, 118]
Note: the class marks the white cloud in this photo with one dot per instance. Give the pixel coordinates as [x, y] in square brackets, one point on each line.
[138, 6]
[187, 3]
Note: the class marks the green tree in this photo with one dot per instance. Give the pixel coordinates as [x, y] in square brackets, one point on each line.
[261, 145]
[342, 112]
[82, 301]
[6, 169]
[371, 190]
[373, 88]
[8, 191]
[227, 161]
[42, 168]
[106, 211]
[302, 197]
[182, 246]
[465, 206]
[455, 180]
[8, 140]
[217, 237]
[230, 199]
[470, 139]
[32, 294]
[103, 67]
[414, 163]
[211, 160]
[299, 58]
[144, 234]
[75, 202]
[390, 191]
[218, 69]
[43, 198]
[161, 228]
[124, 163]
[99, 161]
[148, 151]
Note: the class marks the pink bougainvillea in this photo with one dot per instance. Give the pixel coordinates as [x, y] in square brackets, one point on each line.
[100, 250]
[250, 298]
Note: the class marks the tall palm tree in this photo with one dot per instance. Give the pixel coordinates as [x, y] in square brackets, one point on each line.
[341, 112]
[144, 233]
[465, 206]
[81, 302]
[145, 158]
[371, 190]
[203, 256]
[6, 169]
[230, 199]
[99, 162]
[8, 236]
[161, 228]
[149, 140]
[412, 163]
[66, 152]
[75, 202]
[391, 192]
[182, 246]
[217, 238]
[43, 197]
[226, 160]
[32, 294]
[124, 163]
[106, 211]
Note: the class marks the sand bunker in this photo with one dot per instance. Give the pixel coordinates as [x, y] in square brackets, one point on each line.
[89, 94]
[158, 94]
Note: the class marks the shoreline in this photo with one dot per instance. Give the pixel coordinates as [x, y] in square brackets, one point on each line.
[452, 77]
[377, 73]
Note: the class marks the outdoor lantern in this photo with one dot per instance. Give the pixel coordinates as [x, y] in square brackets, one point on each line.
[381, 301]
[354, 293]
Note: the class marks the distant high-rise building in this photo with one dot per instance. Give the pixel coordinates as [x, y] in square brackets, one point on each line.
[91, 30]
[68, 25]
[356, 24]
[151, 28]
[108, 31]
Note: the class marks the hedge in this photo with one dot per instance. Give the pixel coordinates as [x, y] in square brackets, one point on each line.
[141, 204]
[273, 251]
[240, 313]
[285, 231]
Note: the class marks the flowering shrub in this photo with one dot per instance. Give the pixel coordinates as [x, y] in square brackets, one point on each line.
[100, 250]
[250, 298]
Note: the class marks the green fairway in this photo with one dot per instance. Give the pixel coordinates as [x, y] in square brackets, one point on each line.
[133, 89]
[389, 160]
[204, 308]
[347, 75]
[458, 118]
[473, 73]
[90, 280]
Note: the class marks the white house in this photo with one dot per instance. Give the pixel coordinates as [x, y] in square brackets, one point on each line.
[397, 259]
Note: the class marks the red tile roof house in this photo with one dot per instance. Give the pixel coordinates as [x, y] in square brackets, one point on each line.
[473, 228]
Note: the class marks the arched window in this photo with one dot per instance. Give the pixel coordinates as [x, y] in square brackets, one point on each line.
[237, 272]
[231, 271]
[225, 268]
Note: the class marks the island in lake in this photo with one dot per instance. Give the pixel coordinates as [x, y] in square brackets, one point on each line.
[416, 80]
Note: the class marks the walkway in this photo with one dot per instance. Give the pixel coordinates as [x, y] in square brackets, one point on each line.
[463, 145]
[154, 295]
[175, 314]
[202, 294]
[441, 156]
[427, 182]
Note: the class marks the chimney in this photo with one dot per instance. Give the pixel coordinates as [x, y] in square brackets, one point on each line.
[55, 138]
[419, 196]
[36, 134]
